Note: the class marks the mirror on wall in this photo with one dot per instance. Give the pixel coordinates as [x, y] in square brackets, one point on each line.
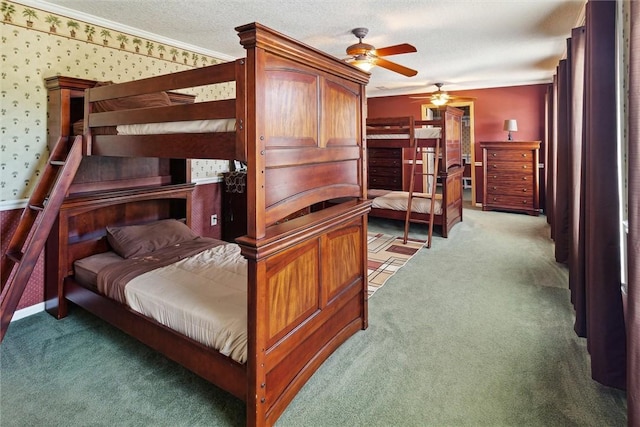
[431, 112]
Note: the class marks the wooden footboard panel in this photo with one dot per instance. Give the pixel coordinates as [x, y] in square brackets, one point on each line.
[452, 155]
[310, 292]
[303, 156]
[453, 198]
[204, 361]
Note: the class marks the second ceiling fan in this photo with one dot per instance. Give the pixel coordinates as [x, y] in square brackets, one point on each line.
[441, 97]
[366, 56]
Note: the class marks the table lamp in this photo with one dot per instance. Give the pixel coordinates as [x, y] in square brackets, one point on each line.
[510, 125]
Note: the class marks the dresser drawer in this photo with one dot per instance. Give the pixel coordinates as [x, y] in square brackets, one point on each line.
[501, 201]
[385, 182]
[385, 153]
[496, 154]
[511, 177]
[499, 167]
[524, 189]
[379, 161]
[381, 171]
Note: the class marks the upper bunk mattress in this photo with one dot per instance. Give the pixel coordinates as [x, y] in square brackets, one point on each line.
[191, 126]
[420, 133]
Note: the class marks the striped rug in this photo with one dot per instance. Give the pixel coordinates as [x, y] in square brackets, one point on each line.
[387, 254]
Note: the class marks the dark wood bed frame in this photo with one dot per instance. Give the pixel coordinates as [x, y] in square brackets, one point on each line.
[300, 127]
[451, 166]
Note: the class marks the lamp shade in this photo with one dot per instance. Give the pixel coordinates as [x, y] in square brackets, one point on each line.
[511, 125]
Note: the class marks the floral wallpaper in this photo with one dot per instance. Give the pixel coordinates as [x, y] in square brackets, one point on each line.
[37, 44]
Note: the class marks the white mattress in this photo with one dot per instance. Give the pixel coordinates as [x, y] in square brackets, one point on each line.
[398, 201]
[203, 297]
[420, 133]
[191, 126]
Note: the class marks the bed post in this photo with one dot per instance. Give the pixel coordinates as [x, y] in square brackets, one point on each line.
[254, 80]
[241, 108]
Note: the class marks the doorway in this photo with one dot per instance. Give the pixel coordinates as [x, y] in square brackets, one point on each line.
[468, 140]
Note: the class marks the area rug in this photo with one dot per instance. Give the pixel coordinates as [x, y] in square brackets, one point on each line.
[387, 254]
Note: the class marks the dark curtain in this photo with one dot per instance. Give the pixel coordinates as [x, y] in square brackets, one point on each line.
[548, 205]
[550, 164]
[604, 312]
[560, 209]
[633, 239]
[575, 199]
[585, 216]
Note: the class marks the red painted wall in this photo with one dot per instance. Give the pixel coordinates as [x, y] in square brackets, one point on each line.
[207, 200]
[492, 107]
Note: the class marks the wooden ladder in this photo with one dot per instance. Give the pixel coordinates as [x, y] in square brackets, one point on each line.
[430, 191]
[27, 242]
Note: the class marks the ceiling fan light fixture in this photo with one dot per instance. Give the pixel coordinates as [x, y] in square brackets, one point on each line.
[439, 99]
[363, 62]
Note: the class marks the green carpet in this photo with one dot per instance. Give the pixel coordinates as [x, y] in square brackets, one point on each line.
[476, 331]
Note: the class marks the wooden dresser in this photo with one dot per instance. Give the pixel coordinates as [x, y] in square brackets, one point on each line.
[385, 168]
[511, 176]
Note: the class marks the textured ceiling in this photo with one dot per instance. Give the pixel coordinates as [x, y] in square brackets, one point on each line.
[466, 44]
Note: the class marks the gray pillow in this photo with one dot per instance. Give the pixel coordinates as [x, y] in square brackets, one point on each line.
[136, 240]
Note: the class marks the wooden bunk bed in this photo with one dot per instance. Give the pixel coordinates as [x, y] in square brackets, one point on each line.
[391, 144]
[298, 124]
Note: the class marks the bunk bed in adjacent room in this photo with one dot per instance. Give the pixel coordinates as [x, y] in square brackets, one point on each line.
[392, 144]
[293, 291]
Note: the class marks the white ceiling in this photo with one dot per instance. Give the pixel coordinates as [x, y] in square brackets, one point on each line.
[466, 44]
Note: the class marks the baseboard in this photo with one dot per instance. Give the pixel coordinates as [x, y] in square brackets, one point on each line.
[28, 311]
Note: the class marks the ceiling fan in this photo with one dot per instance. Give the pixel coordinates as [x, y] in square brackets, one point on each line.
[366, 56]
[441, 97]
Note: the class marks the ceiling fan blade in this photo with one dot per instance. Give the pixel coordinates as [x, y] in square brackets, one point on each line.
[452, 98]
[462, 98]
[381, 62]
[395, 50]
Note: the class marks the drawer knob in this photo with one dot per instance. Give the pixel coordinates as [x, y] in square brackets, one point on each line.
[495, 166]
[494, 154]
[524, 190]
[495, 176]
[524, 166]
[524, 202]
[494, 188]
[495, 199]
[524, 178]
[524, 154]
